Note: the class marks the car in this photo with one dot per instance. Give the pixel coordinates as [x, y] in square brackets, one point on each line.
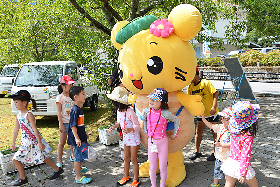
[222, 55]
[236, 52]
[264, 50]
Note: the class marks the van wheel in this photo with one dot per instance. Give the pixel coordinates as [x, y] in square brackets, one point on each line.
[94, 103]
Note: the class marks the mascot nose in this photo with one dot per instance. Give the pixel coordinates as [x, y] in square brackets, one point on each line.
[134, 72]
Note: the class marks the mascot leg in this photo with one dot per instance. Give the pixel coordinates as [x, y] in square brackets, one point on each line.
[176, 171]
[145, 168]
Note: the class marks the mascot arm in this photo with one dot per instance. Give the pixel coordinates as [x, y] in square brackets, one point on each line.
[192, 103]
[132, 99]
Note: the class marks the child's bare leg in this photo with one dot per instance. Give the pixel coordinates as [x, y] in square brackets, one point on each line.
[252, 182]
[216, 181]
[230, 181]
[198, 136]
[72, 152]
[77, 169]
[134, 151]
[62, 141]
[20, 168]
[52, 164]
[126, 160]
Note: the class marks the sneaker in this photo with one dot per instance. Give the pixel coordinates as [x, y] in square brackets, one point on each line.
[72, 159]
[83, 170]
[83, 180]
[195, 155]
[123, 181]
[135, 183]
[213, 185]
[59, 165]
[56, 174]
[211, 157]
[19, 182]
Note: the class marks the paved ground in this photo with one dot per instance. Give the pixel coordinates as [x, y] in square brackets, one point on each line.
[109, 167]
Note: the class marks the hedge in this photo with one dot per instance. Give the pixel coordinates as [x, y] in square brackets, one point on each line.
[249, 58]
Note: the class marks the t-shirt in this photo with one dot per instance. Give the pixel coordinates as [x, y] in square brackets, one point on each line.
[224, 136]
[206, 90]
[76, 119]
[67, 103]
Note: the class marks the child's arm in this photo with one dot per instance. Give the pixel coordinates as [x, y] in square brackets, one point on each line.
[31, 119]
[77, 139]
[59, 116]
[176, 121]
[246, 155]
[113, 127]
[16, 129]
[133, 117]
[214, 106]
[219, 144]
[207, 123]
[145, 113]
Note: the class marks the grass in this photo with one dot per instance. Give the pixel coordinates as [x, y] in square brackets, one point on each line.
[48, 125]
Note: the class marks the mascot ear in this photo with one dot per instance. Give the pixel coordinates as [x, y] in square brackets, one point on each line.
[115, 31]
[186, 20]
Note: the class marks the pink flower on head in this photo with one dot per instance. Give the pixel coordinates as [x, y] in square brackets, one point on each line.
[161, 28]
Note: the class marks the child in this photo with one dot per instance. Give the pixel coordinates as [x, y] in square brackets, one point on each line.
[64, 104]
[243, 128]
[128, 121]
[222, 143]
[209, 95]
[32, 150]
[155, 120]
[77, 136]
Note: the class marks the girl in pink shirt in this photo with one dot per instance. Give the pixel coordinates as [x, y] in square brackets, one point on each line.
[155, 121]
[128, 121]
[243, 127]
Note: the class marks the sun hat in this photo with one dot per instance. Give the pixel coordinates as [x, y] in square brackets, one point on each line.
[226, 113]
[244, 114]
[24, 93]
[159, 94]
[119, 94]
[66, 79]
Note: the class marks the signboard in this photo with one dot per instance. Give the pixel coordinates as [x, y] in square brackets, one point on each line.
[206, 50]
[236, 72]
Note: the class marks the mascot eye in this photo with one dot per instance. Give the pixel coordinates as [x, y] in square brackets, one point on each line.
[155, 65]
[120, 71]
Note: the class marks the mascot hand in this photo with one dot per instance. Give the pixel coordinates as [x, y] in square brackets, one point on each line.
[132, 99]
[192, 103]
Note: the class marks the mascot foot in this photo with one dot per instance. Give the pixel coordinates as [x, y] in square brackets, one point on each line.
[144, 169]
[176, 171]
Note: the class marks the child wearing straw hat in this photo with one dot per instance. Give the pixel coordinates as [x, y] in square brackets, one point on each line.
[243, 128]
[127, 120]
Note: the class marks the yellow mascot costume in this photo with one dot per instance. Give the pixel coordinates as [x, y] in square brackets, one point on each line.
[156, 53]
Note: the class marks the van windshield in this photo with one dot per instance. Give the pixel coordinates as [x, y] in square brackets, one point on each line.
[9, 71]
[39, 75]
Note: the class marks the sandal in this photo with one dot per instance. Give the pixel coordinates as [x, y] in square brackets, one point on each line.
[56, 174]
[19, 182]
[135, 183]
[72, 159]
[59, 165]
[83, 180]
[83, 170]
[123, 181]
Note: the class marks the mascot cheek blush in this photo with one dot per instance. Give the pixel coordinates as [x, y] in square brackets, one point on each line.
[157, 54]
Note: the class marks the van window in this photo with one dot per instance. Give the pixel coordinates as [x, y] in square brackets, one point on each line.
[72, 72]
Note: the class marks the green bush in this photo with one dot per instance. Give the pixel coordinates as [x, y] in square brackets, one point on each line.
[272, 58]
[251, 58]
[213, 62]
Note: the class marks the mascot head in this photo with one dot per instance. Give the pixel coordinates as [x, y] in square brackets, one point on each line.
[156, 53]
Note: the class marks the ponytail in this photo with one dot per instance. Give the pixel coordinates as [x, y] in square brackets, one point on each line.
[59, 89]
[34, 105]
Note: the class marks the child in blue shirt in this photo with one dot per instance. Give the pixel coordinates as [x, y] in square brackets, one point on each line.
[77, 136]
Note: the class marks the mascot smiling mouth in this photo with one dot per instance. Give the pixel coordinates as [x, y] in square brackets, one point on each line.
[138, 84]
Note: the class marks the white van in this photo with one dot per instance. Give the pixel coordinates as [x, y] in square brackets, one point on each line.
[41, 80]
[7, 77]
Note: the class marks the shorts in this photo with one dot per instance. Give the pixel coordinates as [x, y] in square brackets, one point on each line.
[214, 118]
[66, 126]
[218, 173]
[79, 157]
